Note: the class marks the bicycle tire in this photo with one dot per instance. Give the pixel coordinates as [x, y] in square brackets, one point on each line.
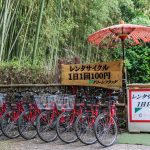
[65, 131]
[6, 124]
[103, 127]
[26, 127]
[44, 122]
[1, 133]
[84, 127]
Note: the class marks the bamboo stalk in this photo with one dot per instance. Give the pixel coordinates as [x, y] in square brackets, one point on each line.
[11, 20]
[4, 28]
[1, 15]
[14, 42]
[12, 33]
[58, 32]
[38, 30]
[24, 40]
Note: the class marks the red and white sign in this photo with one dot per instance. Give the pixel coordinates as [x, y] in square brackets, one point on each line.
[139, 105]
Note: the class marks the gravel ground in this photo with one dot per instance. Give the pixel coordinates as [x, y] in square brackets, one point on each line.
[37, 144]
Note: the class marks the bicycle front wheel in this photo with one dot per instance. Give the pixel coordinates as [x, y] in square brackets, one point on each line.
[9, 125]
[27, 125]
[0, 127]
[85, 128]
[66, 127]
[46, 126]
[105, 129]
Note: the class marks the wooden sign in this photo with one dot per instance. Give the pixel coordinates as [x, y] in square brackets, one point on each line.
[103, 74]
[74, 60]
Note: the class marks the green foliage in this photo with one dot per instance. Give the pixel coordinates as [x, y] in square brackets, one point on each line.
[127, 9]
[141, 20]
[138, 64]
[15, 73]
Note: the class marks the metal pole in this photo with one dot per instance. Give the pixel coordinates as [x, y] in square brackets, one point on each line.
[123, 50]
[124, 81]
[124, 73]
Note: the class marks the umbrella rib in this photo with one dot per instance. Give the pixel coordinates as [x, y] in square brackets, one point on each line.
[135, 38]
[103, 35]
[146, 36]
[142, 36]
[96, 35]
[99, 40]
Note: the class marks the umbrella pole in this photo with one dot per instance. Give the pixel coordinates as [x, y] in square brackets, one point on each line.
[124, 83]
[123, 49]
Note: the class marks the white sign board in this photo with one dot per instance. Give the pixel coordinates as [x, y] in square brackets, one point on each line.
[139, 105]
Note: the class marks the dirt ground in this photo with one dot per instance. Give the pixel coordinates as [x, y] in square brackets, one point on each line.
[37, 144]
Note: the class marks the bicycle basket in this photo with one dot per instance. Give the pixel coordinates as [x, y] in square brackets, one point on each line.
[65, 101]
[50, 101]
[46, 102]
[2, 99]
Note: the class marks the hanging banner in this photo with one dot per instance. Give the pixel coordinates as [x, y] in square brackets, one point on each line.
[139, 105]
[103, 74]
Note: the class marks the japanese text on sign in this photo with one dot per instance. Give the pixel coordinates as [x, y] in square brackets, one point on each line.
[104, 74]
[139, 105]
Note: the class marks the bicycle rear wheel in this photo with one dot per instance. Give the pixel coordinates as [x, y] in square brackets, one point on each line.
[46, 126]
[9, 125]
[84, 128]
[66, 127]
[1, 115]
[105, 129]
[27, 125]
[1, 133]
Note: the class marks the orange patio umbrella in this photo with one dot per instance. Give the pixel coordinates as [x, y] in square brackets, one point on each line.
[122, 32]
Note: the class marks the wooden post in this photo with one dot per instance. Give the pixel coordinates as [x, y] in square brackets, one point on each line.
[74, 60]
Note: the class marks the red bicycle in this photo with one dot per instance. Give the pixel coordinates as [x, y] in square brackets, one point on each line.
[105, 127]
[65, 126]
[2, 108]
[46, 121]
[27, 119]
[84, 125]
[9, 120]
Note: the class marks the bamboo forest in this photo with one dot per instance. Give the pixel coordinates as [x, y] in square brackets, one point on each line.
[34, 34]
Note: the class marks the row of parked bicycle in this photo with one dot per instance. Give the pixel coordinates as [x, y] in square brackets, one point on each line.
[69, 115]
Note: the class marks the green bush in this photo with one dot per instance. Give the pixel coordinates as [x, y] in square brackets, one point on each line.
[14, 73]
[138, 64]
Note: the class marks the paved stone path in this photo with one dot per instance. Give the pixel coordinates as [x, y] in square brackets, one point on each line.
[37, 144]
